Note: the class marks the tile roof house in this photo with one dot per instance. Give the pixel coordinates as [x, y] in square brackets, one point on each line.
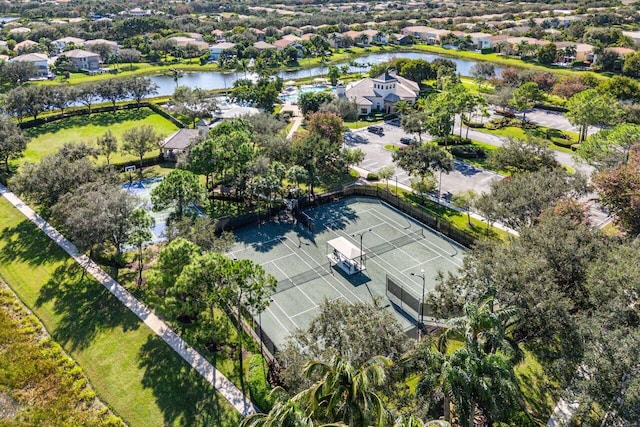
[24, 45]
[215, 50]
[83, 60]
[380, 93]
[90, 44]
[263, 45]
[178, 143]
[61, 44]
[39, 60]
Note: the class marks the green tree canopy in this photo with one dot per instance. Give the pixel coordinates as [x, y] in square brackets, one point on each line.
[178, 189]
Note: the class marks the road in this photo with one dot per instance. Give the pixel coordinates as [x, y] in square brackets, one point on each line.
[464, 176]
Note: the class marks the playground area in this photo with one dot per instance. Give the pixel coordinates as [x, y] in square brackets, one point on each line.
[357, 250]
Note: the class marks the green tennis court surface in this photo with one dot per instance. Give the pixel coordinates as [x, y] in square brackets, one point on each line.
[395, 247]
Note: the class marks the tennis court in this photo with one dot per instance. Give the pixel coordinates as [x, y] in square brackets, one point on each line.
[393, 245]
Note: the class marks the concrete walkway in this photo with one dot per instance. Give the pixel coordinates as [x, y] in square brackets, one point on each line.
[228, 390]
[297, 119]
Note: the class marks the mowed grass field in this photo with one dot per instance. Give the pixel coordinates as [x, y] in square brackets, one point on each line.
[48, 138]
[131, 369]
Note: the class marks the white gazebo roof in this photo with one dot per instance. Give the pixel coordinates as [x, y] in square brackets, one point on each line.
[345, 247]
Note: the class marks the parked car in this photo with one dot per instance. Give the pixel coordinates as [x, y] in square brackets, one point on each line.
[376, 129]
[407, 140]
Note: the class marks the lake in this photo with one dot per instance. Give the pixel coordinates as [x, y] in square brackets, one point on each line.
[220, 80]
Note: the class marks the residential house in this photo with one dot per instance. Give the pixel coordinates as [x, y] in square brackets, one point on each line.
[24, 45]
[260, 35]
[61, 44]
[195, 36]
[499, 42]
[583, 51]
[428, 34]
[403, 40]
[182, 41]
[216, 49]
[219, 35]
[178, 143]
[284, 42]
[376, 36]
[358, 37]
[633, 35]
[83, 60]
[263, 46]
[138, 12]
[23, 31]
[90, 44]
[291, 37]
[480, 40]
[380, 93]
[39, 60]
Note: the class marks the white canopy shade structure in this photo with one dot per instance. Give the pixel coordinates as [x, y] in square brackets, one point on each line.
[344, 255]
[345, 247]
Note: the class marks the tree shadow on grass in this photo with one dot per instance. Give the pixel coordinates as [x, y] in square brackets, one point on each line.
[85, 307]
[96, 119]
[27, 245]
[182, 394]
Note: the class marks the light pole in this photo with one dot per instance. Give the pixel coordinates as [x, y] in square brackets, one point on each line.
[422, 276]
[361, 234]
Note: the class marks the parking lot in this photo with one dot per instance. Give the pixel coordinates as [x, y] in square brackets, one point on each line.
[464, 176]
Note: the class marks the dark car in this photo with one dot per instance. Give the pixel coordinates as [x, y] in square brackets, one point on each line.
[407, 140]
[376, 129]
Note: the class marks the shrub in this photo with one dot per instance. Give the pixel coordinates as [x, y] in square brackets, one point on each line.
[500, 123]
[373, 177]
[473, 125]
[258, 385]
[469, 152]
[453, 140]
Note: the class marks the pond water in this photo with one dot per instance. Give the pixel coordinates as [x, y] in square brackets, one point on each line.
[219, 80]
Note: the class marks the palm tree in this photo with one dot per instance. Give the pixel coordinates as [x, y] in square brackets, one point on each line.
[284, 413]
[345, 393]
[402, 107]
[475, 380]
[485, 329]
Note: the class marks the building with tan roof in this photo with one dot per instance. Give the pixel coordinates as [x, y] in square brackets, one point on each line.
[380, 93]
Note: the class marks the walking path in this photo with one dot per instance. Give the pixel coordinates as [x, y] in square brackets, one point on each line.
[228, 390]
[297, 119]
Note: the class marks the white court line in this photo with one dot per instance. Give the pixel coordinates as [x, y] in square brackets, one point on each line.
[400, 247]
[294, 285]
[314, 308]
[423, 262]
[323, 277]
[285, 313]
[326, 224]
[424, 226]
[278, 259]
[430, 245]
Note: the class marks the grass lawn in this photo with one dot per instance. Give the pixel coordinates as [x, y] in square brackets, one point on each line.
[131, 369]
[500, 60]
[539, 390]
[359, 124]
[457, 219]
[48, 138]
[519, 133]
